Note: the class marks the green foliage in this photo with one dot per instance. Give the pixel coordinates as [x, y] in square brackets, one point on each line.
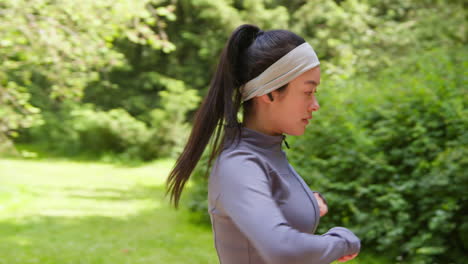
[203, 27]
[169, 128]
[114, 55]
[390, 156]
[161, 102]
[95, 133]
[112, 131]
[51, 51]
[355, 37]
[85, 130]
[15, 112]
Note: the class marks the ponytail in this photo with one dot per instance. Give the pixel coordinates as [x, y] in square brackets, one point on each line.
[219, 108]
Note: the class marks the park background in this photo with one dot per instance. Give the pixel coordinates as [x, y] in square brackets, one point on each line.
[97, 99]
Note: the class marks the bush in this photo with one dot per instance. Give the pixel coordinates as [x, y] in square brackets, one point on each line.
[113, 131]
[169, 129]
[83, 130]
[390, 155]
[87, 131]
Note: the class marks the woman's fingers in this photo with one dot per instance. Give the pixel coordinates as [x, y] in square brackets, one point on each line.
[323, 207]
[346, 258]
[342, 259]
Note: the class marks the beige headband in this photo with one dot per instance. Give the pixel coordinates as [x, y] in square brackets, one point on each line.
[294, 63]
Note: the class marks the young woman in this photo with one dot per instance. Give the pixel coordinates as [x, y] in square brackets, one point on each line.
[261, 210]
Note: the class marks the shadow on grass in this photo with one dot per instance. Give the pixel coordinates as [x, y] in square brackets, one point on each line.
[136, 192]
[43, 152]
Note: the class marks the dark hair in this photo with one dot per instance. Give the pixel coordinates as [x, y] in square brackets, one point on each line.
[248, 52]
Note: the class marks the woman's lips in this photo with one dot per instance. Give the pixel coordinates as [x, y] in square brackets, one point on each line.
[306, 120]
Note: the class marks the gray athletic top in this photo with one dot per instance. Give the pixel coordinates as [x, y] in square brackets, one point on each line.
[262, 211]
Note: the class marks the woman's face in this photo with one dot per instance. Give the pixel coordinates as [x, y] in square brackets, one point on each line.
[295, 105]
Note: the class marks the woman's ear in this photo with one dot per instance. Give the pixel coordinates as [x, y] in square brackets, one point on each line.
[266, 98]
[271, 97]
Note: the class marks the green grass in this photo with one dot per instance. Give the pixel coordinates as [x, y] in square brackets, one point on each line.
[66, 212]
[56, 211]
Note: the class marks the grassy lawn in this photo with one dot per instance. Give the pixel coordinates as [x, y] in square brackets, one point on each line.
[65, 212]
[61, 212]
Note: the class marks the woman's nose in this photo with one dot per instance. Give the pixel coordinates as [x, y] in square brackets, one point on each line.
[314, 106]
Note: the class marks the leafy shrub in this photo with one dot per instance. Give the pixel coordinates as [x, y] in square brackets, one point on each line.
[390, 155]
[169, 129]
[76, 129]
[112, 131]
[85, 130]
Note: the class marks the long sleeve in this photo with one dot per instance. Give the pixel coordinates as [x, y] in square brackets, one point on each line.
[245, 196]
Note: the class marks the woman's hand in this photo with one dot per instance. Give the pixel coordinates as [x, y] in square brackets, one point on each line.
[322, 205]
[346, 258]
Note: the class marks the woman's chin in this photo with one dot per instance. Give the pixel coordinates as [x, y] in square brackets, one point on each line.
[296, 132]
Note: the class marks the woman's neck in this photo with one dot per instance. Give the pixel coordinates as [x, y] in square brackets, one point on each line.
[261, 125]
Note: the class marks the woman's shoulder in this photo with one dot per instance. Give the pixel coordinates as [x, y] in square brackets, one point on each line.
[240, 159]
[238, 155]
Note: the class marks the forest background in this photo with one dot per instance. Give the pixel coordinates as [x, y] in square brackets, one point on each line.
[120, 81]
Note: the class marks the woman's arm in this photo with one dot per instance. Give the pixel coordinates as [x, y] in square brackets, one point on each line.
[322, 202]
[245, 196]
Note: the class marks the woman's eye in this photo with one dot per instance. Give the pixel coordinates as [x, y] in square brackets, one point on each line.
[309, 93]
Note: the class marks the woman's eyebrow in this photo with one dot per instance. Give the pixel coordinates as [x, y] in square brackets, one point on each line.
[311, 82]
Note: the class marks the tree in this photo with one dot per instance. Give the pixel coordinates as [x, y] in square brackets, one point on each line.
[50, 51]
